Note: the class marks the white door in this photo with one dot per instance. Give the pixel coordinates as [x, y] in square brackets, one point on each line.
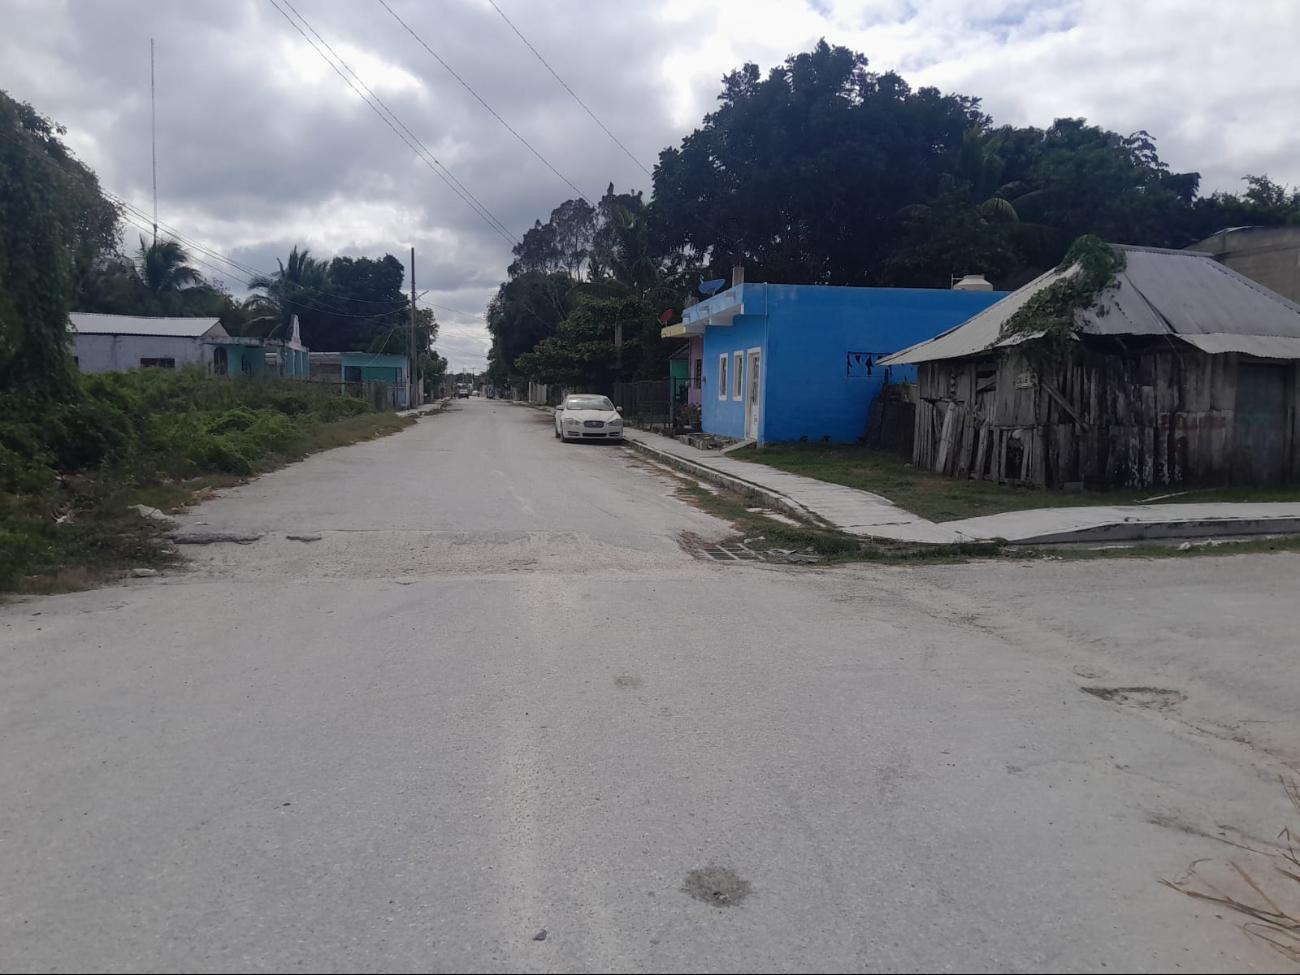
[752, 386]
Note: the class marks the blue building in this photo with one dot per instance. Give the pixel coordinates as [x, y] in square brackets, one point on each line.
[785, 362]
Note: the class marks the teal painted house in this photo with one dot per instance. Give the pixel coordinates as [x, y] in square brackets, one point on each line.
[362, 373]
[788, 362]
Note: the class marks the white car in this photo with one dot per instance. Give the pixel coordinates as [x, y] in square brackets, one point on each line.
[587, 417]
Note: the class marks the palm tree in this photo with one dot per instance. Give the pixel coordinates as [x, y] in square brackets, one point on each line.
[296, 285]
[164, 267]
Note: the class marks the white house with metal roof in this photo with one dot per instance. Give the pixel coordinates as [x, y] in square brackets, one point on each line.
[1185, 372]
[112, 343]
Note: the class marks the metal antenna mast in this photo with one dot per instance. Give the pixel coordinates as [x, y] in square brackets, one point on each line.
[153, 139]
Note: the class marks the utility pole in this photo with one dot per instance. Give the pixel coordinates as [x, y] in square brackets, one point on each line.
[410, 399]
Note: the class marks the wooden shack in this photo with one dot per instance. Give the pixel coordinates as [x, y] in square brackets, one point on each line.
[1184, 373]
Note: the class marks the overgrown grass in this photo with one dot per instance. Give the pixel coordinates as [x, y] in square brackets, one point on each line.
[939, 498]
[68, 474]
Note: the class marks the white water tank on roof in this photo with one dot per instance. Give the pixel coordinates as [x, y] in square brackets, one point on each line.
[972, 282]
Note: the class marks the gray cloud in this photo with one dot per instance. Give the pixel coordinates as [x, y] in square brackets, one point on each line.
[262, 146]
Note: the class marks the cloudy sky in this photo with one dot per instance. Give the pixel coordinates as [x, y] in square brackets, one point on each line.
[261, 145]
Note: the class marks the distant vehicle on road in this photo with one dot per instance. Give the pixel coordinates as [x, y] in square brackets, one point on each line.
[462, 391]
[587, 417]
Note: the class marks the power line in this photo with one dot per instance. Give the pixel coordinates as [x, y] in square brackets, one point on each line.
[193, 245]
[457, 311]
[484, 210]
[469, 89]
[477, 207]
[528, 43]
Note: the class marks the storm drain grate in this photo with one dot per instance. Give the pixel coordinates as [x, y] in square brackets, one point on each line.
[730, 552]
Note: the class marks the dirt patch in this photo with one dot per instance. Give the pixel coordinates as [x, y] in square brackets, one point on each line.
[1154, 698]
[717, 886]
[626, 682]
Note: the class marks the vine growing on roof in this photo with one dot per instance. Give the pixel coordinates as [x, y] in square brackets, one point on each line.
[1048, 316]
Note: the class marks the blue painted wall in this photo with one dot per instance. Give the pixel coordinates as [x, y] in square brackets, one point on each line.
[810, 388]
[726, 416]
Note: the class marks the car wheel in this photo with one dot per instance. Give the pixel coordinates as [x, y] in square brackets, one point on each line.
[557, 434]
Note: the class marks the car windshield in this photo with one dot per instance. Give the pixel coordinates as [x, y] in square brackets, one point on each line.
[589, 403]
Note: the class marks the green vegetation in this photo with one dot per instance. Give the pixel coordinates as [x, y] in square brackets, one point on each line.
[826, 172]
[69, 471]
[939, 498]
[1049, 315]
[62, 250]
[586, 292]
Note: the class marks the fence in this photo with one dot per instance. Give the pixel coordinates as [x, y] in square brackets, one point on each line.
[647, 403]
[380, 396]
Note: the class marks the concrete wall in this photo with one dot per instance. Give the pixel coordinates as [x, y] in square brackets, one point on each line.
[1267, 255]
[819, 349]
[726, 416]
[291, 363]
[117, 353]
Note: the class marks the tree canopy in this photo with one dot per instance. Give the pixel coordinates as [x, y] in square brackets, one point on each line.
[825, 172]
[55, 223]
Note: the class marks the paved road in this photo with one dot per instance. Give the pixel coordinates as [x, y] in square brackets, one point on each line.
[497, 697]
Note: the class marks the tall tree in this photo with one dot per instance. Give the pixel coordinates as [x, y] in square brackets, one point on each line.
[800, 174]
[54, 224]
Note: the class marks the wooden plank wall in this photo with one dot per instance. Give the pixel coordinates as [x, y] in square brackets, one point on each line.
[1162, 417]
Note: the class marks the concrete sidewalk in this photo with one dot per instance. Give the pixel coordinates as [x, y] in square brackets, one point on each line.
[872, 516]
[845, 508]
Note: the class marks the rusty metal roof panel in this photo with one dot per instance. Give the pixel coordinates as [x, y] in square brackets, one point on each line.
[1159, 292]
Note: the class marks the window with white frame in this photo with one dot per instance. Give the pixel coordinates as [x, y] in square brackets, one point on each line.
[738, 375]
[722, 376]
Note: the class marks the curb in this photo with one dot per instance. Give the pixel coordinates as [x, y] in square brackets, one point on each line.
[733, 484]
[426, 410]
[1133, 531]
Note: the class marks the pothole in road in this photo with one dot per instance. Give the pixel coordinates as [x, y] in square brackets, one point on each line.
[717, 886]
[1155, 698]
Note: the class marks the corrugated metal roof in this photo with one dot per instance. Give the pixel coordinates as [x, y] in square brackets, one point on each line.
[1264, 346]
[1160, 292]
[92, 323]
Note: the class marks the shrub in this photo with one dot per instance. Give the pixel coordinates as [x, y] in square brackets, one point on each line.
[84, 435]
[69, 471]
[221, 454]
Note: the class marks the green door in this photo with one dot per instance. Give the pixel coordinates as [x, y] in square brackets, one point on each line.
[1260, 435]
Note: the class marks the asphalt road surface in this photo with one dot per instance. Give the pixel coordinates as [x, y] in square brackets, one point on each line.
[497, 697]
